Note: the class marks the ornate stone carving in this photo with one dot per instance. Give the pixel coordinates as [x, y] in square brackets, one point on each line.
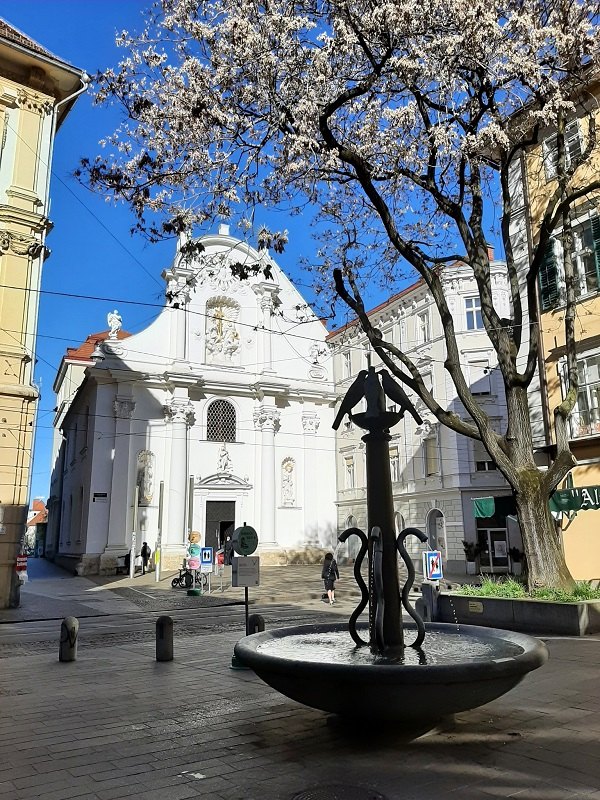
[215, 271]
[222, 337]
[288, 482]
[318, 351]
[179, 411]
[310, 422]
[34, 102]
[123, 407]
[145, 476]
[19, 245]
[266, 418]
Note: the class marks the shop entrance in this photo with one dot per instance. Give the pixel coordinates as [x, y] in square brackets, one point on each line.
[220, 522]
[493, 544]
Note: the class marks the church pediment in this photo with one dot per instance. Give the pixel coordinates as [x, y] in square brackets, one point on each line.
[223, 480]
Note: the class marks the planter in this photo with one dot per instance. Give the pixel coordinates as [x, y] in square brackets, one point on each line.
[517, 568]
[471, 568]
[529, 616]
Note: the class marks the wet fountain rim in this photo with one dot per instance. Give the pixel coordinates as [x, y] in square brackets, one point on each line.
[534, 654]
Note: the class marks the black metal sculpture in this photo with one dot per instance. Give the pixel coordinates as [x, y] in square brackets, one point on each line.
[383, 594]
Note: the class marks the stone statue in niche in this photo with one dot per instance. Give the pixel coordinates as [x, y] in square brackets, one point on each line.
[224, 462]
[222, 337]
[288, 489]
[145, 476]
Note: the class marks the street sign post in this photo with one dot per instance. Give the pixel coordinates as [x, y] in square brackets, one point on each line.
[245, 540]
[432, 565]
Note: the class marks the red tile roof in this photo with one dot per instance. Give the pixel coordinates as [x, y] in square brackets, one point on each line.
[14, 35]
[85, 350]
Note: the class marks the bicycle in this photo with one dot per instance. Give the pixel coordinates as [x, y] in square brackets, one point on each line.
[186, 579]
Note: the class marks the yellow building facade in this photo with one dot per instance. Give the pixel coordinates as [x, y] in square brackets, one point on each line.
[37, 90]
[579, 530]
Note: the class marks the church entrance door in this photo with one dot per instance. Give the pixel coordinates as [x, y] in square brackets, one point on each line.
[220, 521]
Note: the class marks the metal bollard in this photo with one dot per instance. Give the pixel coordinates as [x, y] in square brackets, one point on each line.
[256, 624]
[69, 630]
[164, 639]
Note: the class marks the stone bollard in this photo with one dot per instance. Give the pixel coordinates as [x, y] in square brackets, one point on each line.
[256, 624]
[430, 592]
[164, 639]
[69, 630]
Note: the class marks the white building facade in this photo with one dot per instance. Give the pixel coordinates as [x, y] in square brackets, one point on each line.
[436, 473]
[226, 399]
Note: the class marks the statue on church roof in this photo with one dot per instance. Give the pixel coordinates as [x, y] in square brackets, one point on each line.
[115, 323]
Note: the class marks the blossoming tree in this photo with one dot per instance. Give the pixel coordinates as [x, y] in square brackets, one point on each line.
[395, 123]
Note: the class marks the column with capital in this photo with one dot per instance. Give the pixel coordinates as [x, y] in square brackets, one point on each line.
[267, 294]
[180, 279]
[120, 517]
[179, 414]
[266, 419]
[310, 426]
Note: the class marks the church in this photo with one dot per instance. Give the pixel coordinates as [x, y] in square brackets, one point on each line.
[217, 414]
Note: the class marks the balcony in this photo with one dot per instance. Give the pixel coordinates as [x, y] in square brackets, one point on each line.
[585, 423]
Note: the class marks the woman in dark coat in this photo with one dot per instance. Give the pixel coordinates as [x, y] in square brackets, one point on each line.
[330, 573]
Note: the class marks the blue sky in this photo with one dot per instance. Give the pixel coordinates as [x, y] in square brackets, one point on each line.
[93, 253]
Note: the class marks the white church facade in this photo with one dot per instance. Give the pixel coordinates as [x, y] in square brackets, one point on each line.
[219, 412]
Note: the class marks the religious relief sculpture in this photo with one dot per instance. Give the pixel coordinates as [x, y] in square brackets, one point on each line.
[288, 482]
[224, 462]
[145, 476]
[222, 337]
[115, 323]
[317, 352]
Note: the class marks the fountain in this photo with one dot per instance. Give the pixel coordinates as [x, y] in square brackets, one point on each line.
[368, 671]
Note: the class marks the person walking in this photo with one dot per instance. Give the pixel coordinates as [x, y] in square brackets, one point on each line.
[330, 574]
[145, 554]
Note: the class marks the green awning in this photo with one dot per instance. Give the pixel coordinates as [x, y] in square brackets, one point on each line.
[579, 498]
[502, 506]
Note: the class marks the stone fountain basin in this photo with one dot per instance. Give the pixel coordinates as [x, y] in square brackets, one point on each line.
[391, 691]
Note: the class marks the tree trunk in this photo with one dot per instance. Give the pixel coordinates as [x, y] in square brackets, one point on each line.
[541, 541]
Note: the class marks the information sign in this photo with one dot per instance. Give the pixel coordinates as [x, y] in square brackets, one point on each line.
[21, 563]
[245, 541]
[245, 571]
[432, 565]
[206, 560]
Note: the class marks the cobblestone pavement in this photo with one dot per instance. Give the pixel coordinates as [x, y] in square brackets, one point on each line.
[116, 724]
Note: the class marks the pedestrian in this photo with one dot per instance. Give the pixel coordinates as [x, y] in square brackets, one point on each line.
[228, 550]
[330, 573]
[145, 554]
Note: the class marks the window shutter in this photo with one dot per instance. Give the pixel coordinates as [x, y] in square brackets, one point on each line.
[548, 278]
[595, 222]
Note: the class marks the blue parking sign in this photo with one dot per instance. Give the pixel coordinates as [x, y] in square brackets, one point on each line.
[206, 556]
[432, 565]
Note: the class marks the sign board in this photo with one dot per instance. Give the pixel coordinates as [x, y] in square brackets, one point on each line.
[245, 541]
[21, 563]
[245, 571]
[206, 560]
[432, 565]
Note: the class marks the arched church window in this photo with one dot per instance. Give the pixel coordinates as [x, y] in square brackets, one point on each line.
[220, 422]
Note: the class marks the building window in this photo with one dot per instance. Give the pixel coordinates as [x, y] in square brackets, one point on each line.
[395, 466]
[479, 377]
[431, 456]
[585, 419]
[220, 422]
[586, 264]
[349, 472]
[473, 311]
[347, 364]
[482, 459]
[423, 332]
[572, 149]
